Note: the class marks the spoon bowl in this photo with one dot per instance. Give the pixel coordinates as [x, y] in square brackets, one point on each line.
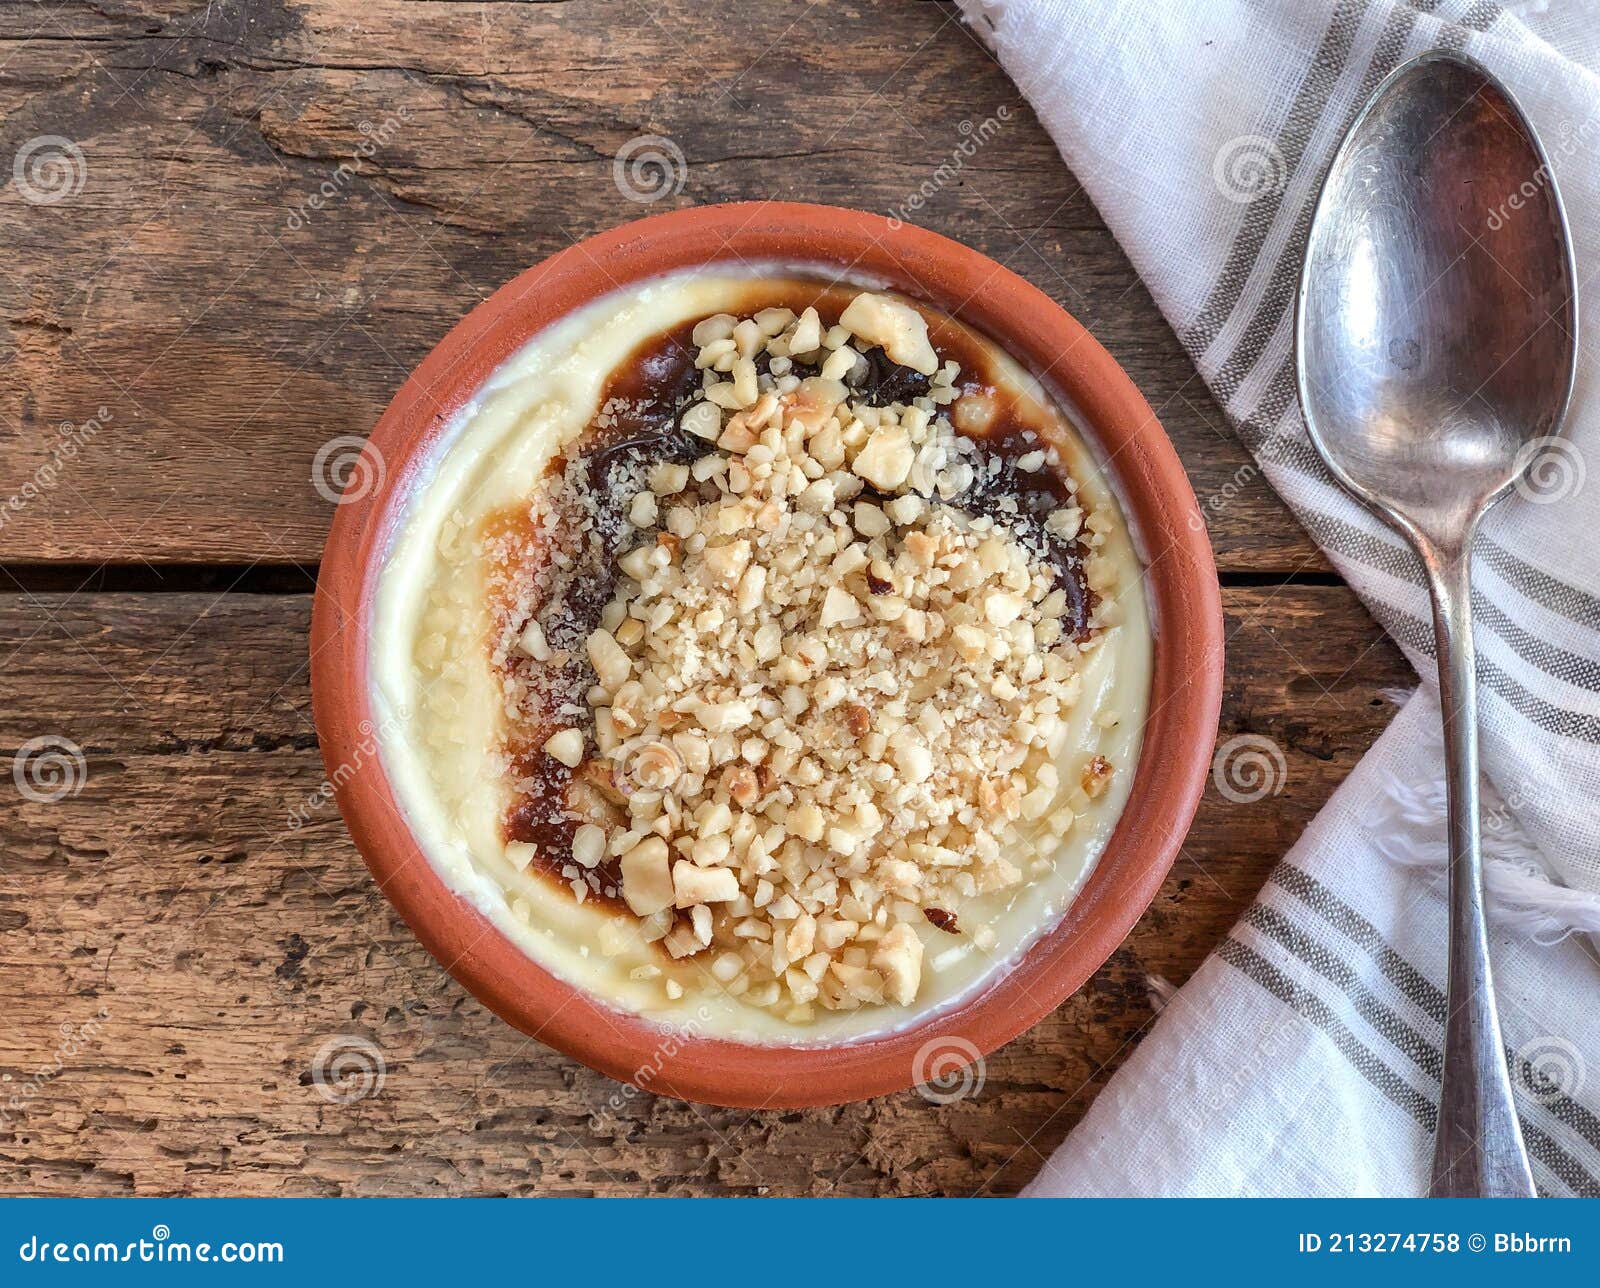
[1435, 355]
[1438, 305]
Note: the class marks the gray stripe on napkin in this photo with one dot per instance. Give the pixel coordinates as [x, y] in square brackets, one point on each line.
[1277, 300]
[1551, 592]
[1356, 545]
[1367, 547]
[1323, 73]
[1270, 313]
[1380, 1018]
[1568, 667]
[1311, 1007]
[1422, 991]
[1411, 982]
[1370, 1066]
[1294, 451]
[1561, 1164]
[1362, 546]
[1256, 427]
[1412, 633]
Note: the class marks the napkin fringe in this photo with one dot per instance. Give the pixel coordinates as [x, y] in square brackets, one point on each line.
[1160, 990]
[1521, 896]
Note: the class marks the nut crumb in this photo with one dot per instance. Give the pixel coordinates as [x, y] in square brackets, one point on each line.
[827, 699]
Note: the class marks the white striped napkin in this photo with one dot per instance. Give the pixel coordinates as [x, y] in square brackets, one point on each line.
[1303, 1057]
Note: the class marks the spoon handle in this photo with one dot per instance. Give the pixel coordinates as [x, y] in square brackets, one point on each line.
[1477, 1148]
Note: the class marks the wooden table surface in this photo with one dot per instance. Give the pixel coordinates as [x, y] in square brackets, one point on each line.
[230, 230]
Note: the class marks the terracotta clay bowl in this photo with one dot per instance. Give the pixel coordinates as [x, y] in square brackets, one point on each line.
[1157, 500]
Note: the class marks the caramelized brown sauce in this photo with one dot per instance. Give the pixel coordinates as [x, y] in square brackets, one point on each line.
[641, 403]
[513, 544]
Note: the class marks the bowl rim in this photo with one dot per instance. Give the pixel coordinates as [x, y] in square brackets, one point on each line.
[1181, 588]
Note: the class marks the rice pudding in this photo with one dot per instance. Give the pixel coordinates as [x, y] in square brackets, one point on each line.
[763, 654]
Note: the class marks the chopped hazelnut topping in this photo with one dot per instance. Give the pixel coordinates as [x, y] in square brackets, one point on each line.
[896, 326]
[566, 746]
[1096, 777]
[693, 885]
[646, 878]
[533, 643]
[589, 845]
[829, 698]
[898, 958]
[886, 460]
[858, 720]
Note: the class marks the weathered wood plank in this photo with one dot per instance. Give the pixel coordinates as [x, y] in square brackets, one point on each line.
[213, 950]
[229, 320]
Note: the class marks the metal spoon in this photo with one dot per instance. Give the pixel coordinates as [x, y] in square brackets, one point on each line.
[1435, 349]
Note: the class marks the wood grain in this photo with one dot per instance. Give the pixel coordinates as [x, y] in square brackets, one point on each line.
[281, 206]
[225, 948]
[230, 319]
